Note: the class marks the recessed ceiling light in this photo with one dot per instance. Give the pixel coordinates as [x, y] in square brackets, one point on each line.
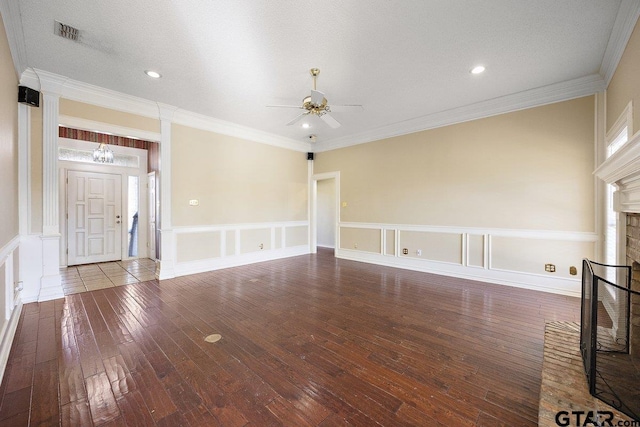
[306, 125]
[153, 74]
[478, 69]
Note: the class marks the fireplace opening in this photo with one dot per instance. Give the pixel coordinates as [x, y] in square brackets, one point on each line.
[609, 344]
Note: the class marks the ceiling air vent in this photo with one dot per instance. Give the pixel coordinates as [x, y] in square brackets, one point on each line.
[67, 31]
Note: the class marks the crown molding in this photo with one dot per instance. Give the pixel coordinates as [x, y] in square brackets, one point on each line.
[624, 25]
[83, 92]
[10, 11]
[200, 121]
[90, 94]
[549, 94]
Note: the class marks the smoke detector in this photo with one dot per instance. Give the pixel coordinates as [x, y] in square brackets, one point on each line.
[66, 31]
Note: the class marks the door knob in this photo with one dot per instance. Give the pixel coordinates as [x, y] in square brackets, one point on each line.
[117, 216]
[117, 222]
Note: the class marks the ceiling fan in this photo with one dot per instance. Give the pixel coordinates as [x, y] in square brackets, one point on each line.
[317, 104]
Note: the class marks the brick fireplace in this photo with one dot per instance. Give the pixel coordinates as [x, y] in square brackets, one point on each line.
[633, 260]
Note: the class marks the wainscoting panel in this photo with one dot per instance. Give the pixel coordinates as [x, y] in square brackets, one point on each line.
[390, 242]
[476, 250]
[255, 240]
[297, 236]
[361, 239]
[503, 256]
[530, 255]
[443, 247]
[198, 246]
[206, 248]
[11, 304]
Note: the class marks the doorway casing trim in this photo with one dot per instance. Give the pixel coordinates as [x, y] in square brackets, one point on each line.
[313, 211]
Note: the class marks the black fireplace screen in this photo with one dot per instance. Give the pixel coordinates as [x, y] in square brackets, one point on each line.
[611, 365]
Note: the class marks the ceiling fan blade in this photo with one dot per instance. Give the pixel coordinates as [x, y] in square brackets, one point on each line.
[285, 106]
[330, 120]
[316, 97]
[344, 108]
[297, 118]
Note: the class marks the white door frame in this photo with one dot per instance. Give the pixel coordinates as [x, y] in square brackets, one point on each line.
[313, 223]
[125, 172]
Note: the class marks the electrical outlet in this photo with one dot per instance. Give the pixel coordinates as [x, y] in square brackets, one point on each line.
[573, 270]
[405, 251]
[355, 246]
[261, 245]
[550, 268]
[419, 252]
[194, 202]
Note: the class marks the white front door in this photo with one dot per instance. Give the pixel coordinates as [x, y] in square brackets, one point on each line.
[94, 223]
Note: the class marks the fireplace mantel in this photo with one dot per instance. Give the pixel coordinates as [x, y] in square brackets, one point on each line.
[623, 170]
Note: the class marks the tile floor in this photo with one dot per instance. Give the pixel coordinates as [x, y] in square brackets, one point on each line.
[83, 278]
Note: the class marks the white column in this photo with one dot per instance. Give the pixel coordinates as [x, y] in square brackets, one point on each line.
[167, 255]
[29, 267]
[51, 286]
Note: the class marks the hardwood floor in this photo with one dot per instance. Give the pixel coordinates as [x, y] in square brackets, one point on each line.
[309, 340]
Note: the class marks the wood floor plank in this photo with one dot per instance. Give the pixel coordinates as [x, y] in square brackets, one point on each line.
[76, 414]
[101, 399]
[45, 379]
[72, 385]
[308, 340]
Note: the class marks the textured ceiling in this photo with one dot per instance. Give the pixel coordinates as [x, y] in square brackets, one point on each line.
[400, 59]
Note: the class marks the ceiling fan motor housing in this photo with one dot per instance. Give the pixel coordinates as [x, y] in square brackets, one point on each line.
[312, 108]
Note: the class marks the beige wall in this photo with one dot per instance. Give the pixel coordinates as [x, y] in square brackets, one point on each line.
[106, 115]
[234, 180]
[529, 169]
[625, 84]
[8, 143]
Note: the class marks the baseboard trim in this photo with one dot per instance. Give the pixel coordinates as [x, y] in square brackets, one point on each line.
[561, 286]
[7, 338]
[201, 266]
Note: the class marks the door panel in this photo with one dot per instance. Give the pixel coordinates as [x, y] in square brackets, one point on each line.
[94, 223]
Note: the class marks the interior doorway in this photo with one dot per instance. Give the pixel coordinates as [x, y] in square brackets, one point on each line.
[326, 224]
[325, 211]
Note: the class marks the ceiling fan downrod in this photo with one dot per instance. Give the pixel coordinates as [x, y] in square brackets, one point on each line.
[314, 73]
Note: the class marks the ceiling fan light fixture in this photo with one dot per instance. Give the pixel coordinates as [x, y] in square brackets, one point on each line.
[153, 74]
[316, 104]
[478, 69]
